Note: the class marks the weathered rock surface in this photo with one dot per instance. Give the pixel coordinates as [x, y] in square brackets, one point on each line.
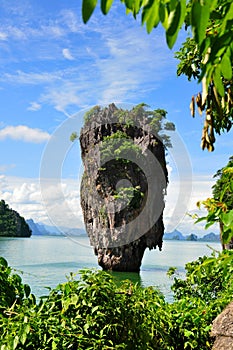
[122, 189]
[223, 329]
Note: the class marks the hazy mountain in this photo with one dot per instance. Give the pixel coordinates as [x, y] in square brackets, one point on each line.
[210, 237]
[178, 236]
[41, 229]
[174, 235]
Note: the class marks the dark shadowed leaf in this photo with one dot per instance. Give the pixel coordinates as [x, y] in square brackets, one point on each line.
[88, 7]
[106, 5]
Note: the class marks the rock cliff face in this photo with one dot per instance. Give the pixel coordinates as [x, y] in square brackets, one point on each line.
[123, 185]
[222, 329]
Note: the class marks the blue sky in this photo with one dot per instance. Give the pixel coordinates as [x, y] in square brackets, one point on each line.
[53, 67]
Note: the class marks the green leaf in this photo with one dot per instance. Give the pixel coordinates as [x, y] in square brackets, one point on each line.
[106, 5]
[86, 327]
[3, 262]
[227, 235]
[15, 342]
[218, 81]
[200, 219]
[163, 15]
[209, 224]
[227, 218]
[226, 67]
[88, 7]
[199, 20]
[27, 290]
[175, 21]
[150, 15]
[23, 338]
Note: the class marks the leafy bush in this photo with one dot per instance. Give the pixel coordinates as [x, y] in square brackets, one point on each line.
[94, 312]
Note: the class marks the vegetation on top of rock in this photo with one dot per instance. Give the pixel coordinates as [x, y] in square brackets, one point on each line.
[154, 119]
[11, 223]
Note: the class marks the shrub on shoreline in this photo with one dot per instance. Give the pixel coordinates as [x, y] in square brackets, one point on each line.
[94, 312]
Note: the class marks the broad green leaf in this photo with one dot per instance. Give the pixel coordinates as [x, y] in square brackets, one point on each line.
[172, 4]
[129, 4]
[88, 7]
[133, 6]
[211, 3]
[228, 16]
[218, 81]
[175, 21]
[106, 5]
[227, 235]
[219, 46]
[150, 15]
[227, 218]
[199, 20]
[226, 67]
[163, 15]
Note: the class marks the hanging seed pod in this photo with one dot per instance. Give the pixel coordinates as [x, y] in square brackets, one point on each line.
[192, 107]
[199, 103]
[204, 93]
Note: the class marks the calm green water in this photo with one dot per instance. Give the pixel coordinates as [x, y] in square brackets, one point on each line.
[46, 261]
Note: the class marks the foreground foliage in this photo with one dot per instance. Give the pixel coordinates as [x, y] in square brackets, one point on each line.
[220, 206]
[95, 312]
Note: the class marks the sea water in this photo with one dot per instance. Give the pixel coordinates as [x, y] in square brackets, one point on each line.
[46, 261]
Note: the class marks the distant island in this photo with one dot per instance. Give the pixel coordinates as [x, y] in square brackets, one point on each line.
[11, 223]
[40, 229]
[178, 236]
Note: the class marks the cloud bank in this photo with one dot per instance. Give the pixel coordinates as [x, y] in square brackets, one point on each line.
[24, 133]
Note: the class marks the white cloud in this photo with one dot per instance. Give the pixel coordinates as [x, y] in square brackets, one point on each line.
[179, 219]
[67, 54]
[59, 202]
[63, 97]
[61, 208]
[70, 20]
[3, 36]
[24, 133]
[34, 106]
[31, 78]
[6, 167]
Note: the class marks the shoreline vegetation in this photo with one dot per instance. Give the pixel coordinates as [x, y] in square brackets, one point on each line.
[94, 311]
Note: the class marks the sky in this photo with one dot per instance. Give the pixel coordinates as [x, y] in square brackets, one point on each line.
[53, 68]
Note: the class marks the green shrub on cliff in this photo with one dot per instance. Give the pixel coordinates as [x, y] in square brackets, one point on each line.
[94, 312]
[11, 223]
